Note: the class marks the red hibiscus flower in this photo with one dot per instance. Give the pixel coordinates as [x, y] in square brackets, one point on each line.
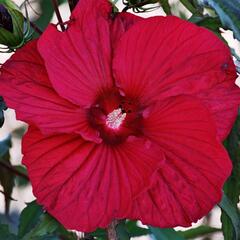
[126, 117]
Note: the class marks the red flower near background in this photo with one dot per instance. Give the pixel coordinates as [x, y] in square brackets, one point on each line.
[126, 117]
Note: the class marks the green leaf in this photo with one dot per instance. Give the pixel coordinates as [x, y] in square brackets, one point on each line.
[211, 23]
[19, 180]
[45, 18]
[10, 4]
[5, 233]
[136, 231]
[189, 6]
[126, 229]
[45, 227]
[100, 234]
[166, 6]
[14, 38]
[228, 12]
[6, 176]
[1, 118]
[198, 232]
[65, 234]
[4, 146]
[122, 231]
[29, 218]
[165, 234]
[232, 186]
[35, 224]
[2, 108]
[48, 237]
[233, 215]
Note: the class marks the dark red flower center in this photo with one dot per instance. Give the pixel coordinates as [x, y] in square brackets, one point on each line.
[116, 117]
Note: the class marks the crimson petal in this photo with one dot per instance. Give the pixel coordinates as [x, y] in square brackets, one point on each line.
[165, 56]
[86, 185]
[122, 23]
[223, 102]
[78, 60]
[26, 88]
[190, 183]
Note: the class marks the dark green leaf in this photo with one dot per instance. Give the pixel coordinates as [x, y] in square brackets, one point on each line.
[100, 234]
[45, 227]
[189, 6]
[211, 23]
[198, 232]
[125, 230]
[233, 214]
[19, 180]
[29, 218]
[14, 37]
[228, 12]
[5, 233]
[47, 14]
[136, 231]
[122, 231]
[232, 186]
[19, 132]
[166, 6]
[2, 108]
[35, 224]
[47, 237]
[4, 146]
[6, 176]
[66, 235]
[1, 118]
[165, 234]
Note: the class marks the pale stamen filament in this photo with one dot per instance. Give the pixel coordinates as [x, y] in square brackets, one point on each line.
[115, 118]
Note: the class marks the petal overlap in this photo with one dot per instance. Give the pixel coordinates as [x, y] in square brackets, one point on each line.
[26, 88]
[82, 54]
[223, 102]
[90, 183]
[126, 117]
[190, 182]
[162, 57]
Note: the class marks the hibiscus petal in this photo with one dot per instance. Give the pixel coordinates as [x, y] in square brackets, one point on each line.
[190, 183]
[86, 185]
[166, 56]
[122, 22]
[78, 60]
[26, 88]
[223, 103]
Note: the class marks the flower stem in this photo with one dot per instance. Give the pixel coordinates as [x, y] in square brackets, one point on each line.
[60, 21]
[36, 28]
[111, 230]
[72, 4]
[135, 5]
[13, 170]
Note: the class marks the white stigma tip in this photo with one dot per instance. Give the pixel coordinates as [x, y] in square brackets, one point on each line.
[115, 118]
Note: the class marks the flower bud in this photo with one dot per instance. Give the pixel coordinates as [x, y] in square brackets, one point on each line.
[5, 19]
[11, 25]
